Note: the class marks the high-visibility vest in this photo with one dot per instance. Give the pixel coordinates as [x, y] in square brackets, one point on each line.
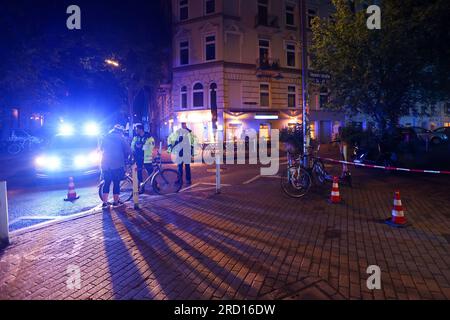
[174, 138]
[147, 147]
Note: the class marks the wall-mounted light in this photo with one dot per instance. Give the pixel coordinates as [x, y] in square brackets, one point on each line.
[266, 117]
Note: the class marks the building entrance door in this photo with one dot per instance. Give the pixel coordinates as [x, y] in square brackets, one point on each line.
[325, 132]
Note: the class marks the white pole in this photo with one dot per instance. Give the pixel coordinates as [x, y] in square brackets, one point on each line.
[135, 186]
[4, 225]
[218, 155]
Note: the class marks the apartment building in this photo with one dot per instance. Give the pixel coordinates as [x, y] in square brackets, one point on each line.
[238, 62]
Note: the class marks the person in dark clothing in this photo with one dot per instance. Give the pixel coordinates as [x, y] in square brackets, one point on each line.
[115, 151]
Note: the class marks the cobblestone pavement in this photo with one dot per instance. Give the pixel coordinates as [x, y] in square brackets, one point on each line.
[249, 242]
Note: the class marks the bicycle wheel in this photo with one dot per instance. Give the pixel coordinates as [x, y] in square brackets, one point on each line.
[296, 182]
[166, 182]
[126, 189]
[319, 172]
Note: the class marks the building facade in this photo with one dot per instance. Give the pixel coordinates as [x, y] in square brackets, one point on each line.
[241, 60]
[425, 116]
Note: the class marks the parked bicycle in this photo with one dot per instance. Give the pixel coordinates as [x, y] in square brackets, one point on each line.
[163, 181]
[321, 175]
[298, 178]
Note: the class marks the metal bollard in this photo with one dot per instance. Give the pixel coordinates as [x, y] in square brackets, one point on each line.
[135, 186]
[219, 157]
[4, 225]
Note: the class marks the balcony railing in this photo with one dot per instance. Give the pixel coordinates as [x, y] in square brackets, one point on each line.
[267, 21]
[268, 64]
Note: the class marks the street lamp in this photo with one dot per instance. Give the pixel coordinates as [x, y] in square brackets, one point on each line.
[116, 64]
[112, 63]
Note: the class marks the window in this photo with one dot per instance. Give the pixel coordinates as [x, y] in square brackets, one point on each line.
[213, 101]
[323, 97]
[184, 97]
[291, 97]
[210, 6]
[447, 108]
[197, 96]
[290, 20]
[213, 95]
[184, 10]
[312, 130]
[446, 124]
[264, 47]
[290, 55]
[264, 95]
[264, 129]
[263, 12]
[210, 48]
[311, 15]
[184, 52]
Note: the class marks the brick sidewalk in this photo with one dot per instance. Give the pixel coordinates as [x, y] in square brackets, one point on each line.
[250, 242]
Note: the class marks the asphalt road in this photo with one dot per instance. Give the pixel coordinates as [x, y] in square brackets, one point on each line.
[33, 201]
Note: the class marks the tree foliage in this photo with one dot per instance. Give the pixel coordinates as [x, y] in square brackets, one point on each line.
[43, 64]
[384, 73]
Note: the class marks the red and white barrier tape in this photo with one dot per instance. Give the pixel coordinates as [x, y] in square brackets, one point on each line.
[384, 168]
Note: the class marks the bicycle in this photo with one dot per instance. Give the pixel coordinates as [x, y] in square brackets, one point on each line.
[297, 181]
[321, 174]
[163, 181]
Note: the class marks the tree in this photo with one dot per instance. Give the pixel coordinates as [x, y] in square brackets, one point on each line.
[384, 73]
[44, 64]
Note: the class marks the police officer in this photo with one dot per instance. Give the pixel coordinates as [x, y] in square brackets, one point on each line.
[174, 139]
[142, 147]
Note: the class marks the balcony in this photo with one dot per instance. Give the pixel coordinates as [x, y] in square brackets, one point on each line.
[268, 64]
[268, 67]
[267, 21]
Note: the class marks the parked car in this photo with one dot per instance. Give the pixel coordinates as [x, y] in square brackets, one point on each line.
[431, 136]
[443, 130]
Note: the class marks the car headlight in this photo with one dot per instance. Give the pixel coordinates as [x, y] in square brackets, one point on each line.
[95, 157]
[66, 129]
[40, 161]
[51, 163]
[80, 161]
[91, 129]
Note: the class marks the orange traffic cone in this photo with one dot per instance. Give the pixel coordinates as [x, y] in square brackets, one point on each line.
[335, 196]
[398, 218]
[71, 194]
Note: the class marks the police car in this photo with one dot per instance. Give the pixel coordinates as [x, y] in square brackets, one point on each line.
[70, 153]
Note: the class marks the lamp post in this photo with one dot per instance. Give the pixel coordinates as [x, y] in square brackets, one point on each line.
[115, 64]
[304, 40]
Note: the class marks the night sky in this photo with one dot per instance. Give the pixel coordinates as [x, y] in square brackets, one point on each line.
[109, 25]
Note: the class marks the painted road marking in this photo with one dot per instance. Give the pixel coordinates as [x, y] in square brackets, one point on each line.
[260, 176]
[252, 179]
[190, 187]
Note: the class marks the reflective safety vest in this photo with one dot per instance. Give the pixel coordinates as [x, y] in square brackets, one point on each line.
[142, 147]
[177, 136]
